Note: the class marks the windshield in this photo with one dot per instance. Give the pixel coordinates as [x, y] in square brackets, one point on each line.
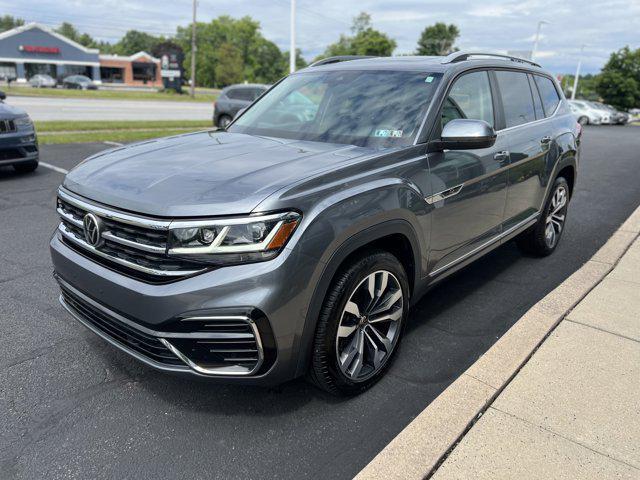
[365, 108]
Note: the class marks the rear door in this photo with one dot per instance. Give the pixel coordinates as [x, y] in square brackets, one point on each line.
[529, 136]
[474, 182]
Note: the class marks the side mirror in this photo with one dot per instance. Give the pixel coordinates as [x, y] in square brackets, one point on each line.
[3, 95]
[466, 134]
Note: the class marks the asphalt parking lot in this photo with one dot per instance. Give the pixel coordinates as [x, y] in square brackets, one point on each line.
[74, 407]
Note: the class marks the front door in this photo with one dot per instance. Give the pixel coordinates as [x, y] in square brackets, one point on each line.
[468, 186]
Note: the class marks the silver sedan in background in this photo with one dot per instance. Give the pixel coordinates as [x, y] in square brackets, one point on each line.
[42, 81]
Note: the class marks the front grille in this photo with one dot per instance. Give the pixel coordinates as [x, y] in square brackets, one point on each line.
[131, 245]
[7, 126]
[136, 340]
[11, 153]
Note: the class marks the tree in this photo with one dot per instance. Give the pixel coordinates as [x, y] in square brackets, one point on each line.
[68, 30]
[135, 41]
[259, 59]
[365, 41]
[7, 22]
[619, 81]
[438, 39]
[228, 68]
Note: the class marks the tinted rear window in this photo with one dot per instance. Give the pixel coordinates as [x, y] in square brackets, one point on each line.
[549, 94]
[516, 98]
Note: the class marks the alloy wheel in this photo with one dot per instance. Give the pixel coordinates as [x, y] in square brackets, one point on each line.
[370, 326]
[556, 216]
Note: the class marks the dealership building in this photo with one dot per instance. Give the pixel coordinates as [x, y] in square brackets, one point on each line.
[36, 49]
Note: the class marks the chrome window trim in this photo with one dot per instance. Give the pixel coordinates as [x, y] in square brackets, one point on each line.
[152, 271]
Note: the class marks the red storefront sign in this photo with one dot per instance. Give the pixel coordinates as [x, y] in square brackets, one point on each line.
[38, 49]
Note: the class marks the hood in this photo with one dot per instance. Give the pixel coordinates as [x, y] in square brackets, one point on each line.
[9, 112]
[202, 174]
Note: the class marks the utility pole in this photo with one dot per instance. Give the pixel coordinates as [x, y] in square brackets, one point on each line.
[192, 90]
[292, 46]
[575, 80]
[537, 39]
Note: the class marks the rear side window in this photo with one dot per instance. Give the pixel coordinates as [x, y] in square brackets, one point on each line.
[240, 94]
[549, 94]
[470, 97]
[516, 98]
[537, 102]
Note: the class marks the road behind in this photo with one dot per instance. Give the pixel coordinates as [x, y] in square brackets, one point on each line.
[74, 407]
[46, 108]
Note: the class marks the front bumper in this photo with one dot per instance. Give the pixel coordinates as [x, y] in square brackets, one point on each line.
[18, 147]
[273, 301]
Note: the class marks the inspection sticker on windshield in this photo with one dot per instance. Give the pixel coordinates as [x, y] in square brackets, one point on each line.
[388, 133]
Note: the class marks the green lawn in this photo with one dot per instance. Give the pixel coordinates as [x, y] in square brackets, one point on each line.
[169, 95]
[114, 131]
[79, 125]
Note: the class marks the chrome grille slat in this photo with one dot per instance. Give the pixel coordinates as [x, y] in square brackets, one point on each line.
[136, 243]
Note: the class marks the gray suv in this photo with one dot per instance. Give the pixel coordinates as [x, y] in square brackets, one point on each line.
[295, 242]
[232, 100]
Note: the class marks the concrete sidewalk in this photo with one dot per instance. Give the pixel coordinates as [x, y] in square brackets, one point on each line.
[573, 410]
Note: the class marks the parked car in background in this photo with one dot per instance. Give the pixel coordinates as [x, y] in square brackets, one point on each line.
[42, 81]
[585, 115]
[18, 141]
[617, 117]
[79, 82]
[234, 98]
[295, 240]
[584, 105]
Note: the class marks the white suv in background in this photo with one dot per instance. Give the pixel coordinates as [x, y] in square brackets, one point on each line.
[587, 115]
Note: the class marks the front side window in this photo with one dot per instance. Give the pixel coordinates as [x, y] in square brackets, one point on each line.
[365, 108]
[549, 94]
[470, 97]
[516, 98]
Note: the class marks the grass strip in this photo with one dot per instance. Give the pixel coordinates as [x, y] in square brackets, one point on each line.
[76, 125]
[123, 136]
[169, 95]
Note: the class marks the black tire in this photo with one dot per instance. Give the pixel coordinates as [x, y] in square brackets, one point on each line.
[26, 167]
[583, 120]
[325, 371]
[224, 120]
[535, 240]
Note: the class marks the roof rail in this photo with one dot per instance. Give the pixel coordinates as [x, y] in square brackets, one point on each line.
[339, 58]
[462, 56]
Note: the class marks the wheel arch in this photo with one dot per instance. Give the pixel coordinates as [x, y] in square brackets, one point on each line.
[398, 237]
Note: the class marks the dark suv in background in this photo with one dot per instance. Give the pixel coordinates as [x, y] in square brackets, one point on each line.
[233, 99]
[295, 241]
[18, 140]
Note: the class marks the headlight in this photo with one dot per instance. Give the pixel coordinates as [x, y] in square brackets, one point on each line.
[23, 122]
[225, 241]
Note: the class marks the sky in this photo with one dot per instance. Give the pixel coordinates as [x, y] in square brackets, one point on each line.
[602, 26]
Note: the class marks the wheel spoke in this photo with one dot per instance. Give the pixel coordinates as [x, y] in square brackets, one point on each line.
[345, 330]
[388, 302]
[388, 317]
[352, 308]
[381, 339]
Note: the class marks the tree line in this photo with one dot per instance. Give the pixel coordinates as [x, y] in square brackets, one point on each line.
[230, 50]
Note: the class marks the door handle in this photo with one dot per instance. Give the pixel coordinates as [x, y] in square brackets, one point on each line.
[501, 156]
[545, 140]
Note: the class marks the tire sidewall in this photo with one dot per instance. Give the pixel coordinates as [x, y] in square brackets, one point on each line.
[541, 226]
[331, 315]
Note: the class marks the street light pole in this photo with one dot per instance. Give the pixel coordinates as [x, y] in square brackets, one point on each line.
[537, 39]
[292, 46]
[192, 90]
[575, 80]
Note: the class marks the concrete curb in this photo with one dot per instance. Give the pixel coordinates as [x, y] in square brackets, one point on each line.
[424, 444]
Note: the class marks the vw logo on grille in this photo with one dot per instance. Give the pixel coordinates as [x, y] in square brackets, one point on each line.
[92, 229]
